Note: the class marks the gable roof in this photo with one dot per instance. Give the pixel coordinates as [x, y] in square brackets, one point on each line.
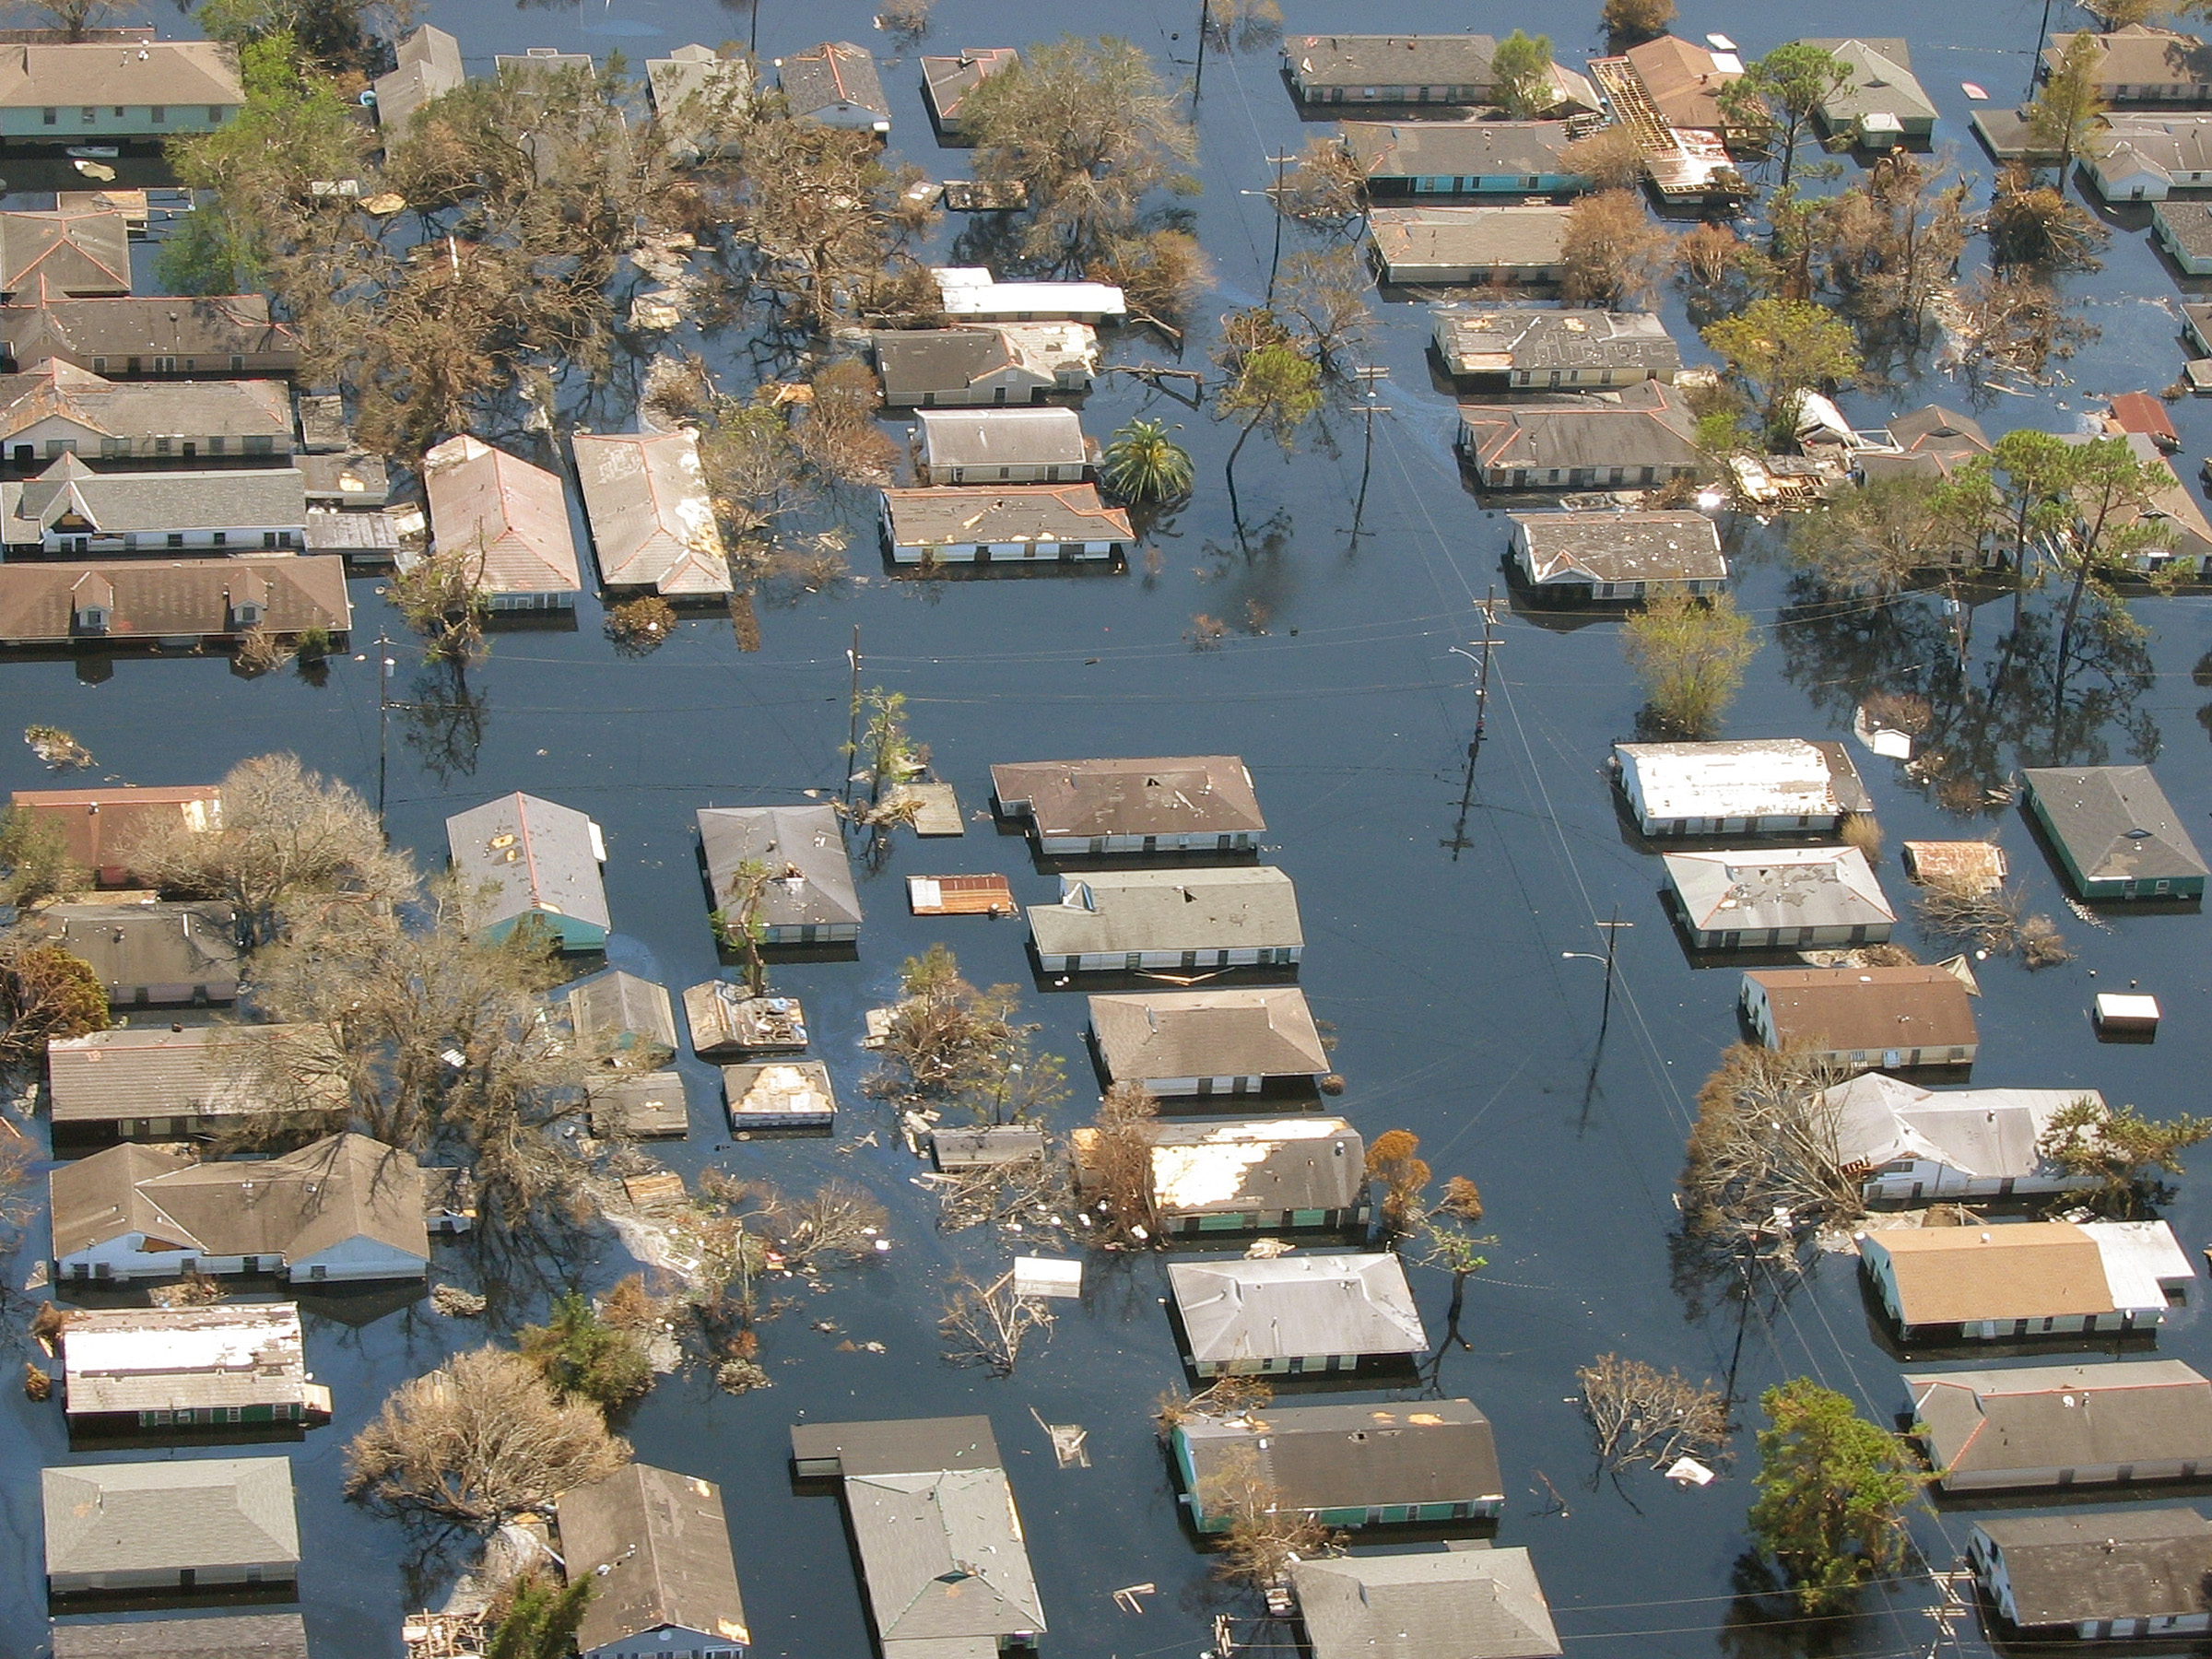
[804, 849]
[1646, 425]
[1035, 437]
[1683, 80]
[945, 81]
[1498, 339]
[1946, 1276]
[537, 855]
[2149, 1562]
[429, 67]
[69, 493]
[81, 255]
[1654, 545]
[1409, 149]
[146, 410]
[1868, 1009]
[1230, 907]
[500, 509]
[2140, 55]
[2115, 822]
[1317, 1457]
[1990, 1133]
[1177, 794]
[1303, 1304]
[698, 72]
[33, 73]
[152, 599]
[943, 1555]
[1467, 1603]
[163, 1517]
[1933, 430]
[1344, 60]
[652, 523]
[836, 72]
[1754, 891]
[229, 1636]
[2035, 1419]
[215, 326]
[609, 1008]
[1266, 1032]
[659, 1543]
[1881, 82]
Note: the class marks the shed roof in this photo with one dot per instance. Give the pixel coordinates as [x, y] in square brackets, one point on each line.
[2152, 1561]
[961, 515]
[805, 850]
[157, 1517]
[2115, 822]
[511, 517]
[1500, 340]
[1317, 1457]
[2033, 1419]
[151, 942]
[836, 72]
[226, 1636]
[1753, 891]
[659, 1543]
[973, 291]
[1470, 1603]
[1868, 1009]
[1176, 794]
[652, 524]
[1266, 1032]
[1122, 911]
[1303, 1304]
[1039, 437]
[1623, 547]
[528, 854]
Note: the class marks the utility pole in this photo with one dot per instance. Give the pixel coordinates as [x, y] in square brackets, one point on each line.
[853, 727]
[1612, 937]
[1489, 608]
[1276, 258]
[2042, 34]
[383, 715]
[1367, 375]
[1205, 19]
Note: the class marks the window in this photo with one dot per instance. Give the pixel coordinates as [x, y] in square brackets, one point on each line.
[176, 538]
[271, 538]
[215, 446]
[157, 114]
[214, 115]
[100, 365]
[162, 446]
[119, 111]
[89, 114]
[260, 446]
[223, 538]
[238, 363]
[49, 117]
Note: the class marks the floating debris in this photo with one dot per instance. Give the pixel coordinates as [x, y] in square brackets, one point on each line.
[457, 1304]
[55, 746]
[1069, 1445]
[1127, 1595]
[1689, 1472]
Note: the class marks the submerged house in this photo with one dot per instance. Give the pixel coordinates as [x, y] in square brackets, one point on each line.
[643, 1105]
[1004, 523]
[618, 1012]
[129, 1369]
[523, 857]
[836, 83]
[1597, 441]
[1295, 1314]
[985, 363]
[971, 294]
[103, 828]
[811, 898]
[652, 523]
[190, 1525]
[2115, 1423]
[1521, 348]
[1904, 1144]
[233, 1636]
[152, 952]
[71, 512]
[1740, 786]
[1128, 921]
[1778, 898]
[344, 1208]
[2111, 1576]
[2030, 1278]
[697, 91]
[165, 1082]
[2143, 67]
[1348, 68]
[1880, 101]
[1470, 247]
[2115, 833]
[2143, 158]
[1683, 81]
[780, 1094]
[1003, 446]
[55, 408]
[947, 80]
[89, 92]
[1471, 1601]
[74, 255]
[1583, 558]
[508, 518]
[162, 334]
[1159, 804]
[1304, 1173]
[1861, 1018]
[427, 65]
[1345, 1465]
[932, 1517]
[172, 603]
[659, 1545]
[1462, 158]
[1208, 1042]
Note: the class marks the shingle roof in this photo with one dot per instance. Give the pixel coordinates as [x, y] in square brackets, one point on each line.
[141, 410]
[154, 1517]
[102, 827]
[429, 67]
[1469, 1604]
[2149, 1562]
[2035, 1419]
[1646, 425]
[1755, 890]
[702, 73]
[1409, 239]
[1452, 60]
[496, 507]
[804, 849]
[1868, 1009]
[1205, 908]
[2115, 821]
[947, 80]
[148, 72]
[153, 1071]
[899, 1445]
[836, 72]
[1260, 1032]
[132, 1359]
[1303, 1304]
[610, 1006]
[1268, 1166]
[536, 854]
[1046, 437]
[1407, 149]
[659, 1543]
[961, 515]
[216, 327]
[157, 599]
[78, 255]
[1623, 547]
[1992, 1134]
[1683, 81]
[161, 943]
[231, 1636]
[1317, 1457]
[1881, 82]
[652, 523]
[1497, 339]
[1170, 794]
[1946, 1276]
[943, 1555]
[144, 503]
[2142, 56]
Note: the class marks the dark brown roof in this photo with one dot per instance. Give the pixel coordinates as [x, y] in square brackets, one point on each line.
[901, 1446]
[182, 598]
[1317, 1457]
[1870, 1008]
[660, 1545]
[1180, 795]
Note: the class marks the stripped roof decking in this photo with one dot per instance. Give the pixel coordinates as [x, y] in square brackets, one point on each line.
[960, 896]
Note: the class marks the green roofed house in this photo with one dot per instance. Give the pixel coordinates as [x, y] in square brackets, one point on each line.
[2115, 833]
[1347, 1465]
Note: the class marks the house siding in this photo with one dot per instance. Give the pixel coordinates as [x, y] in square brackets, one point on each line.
[74, 124]
[669, 1641]
[79, 1583]
[1134, 961]
[2177, 887]
[1104, 846]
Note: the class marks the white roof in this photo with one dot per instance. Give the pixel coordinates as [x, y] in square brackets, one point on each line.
[2141, 1259]
[1764, 777]
[1989, 1133]
[2121, 1005]
[971, 292]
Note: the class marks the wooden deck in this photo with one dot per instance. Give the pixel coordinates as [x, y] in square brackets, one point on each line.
[960, 896]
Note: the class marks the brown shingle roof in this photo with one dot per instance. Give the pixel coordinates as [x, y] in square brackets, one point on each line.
[1178, 795]
[660, 1545]
[1946, 1276]
[80, 254]
[1870, 1008]
[145, 73]
[171, 599]
[1240, 1033]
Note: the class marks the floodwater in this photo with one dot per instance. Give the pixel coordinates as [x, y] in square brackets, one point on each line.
[1441, 919]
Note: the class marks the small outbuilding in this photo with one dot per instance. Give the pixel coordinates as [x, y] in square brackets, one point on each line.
[2115, 1423]
[2111, 1576]
[1742, 786]
[2115, 833]
[1977, 865]
[810, 898]
[1345, 1465]
[1778, 897]
[153, 952]
[658, 1544]
[223, 1523]
[1129, 921]
[780, 1094]
[618, 1014]
[1586, 558]
[645, 1106]
[520, 855]
[1860, 1017]
[1296, 1313]
[1208, 1042]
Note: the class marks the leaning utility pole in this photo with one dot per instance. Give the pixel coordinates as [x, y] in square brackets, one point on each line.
[384, 712]
[1482, 685]
[1205, 18]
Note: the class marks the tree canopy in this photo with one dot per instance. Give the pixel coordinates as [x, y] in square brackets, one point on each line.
[1778, 350]
[1778, 94]
[1834, 1491]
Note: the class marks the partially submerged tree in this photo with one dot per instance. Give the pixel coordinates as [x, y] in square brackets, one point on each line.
[540, 1617]
[2121, 1149]
[1763, 1159]
[1778, 93]
[1520, 81]
[1611, 157]
[1628, 21]
[2032, 223]
[2068, 107]
[1324, 186]
[1116, 1154]
[477, 1441]
[1690, 655]
[583, 1357]
[1273, 385]
[949, 1043]
[1834, 1494]
[1778, 350]
[1611, 255]
[1142, 463]
[990, 1325]
[1397, 1180]
[1640, 1414]
[1265, 1534]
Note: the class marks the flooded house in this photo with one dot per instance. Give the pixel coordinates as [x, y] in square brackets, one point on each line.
[1345, 1465]
[729, 1022]
[345, 1208]
[1292, 1314]
[984, 364]
[1003, 446]
[2116, 834]
[1161, 804]
[811, 897]
[161, 335]
[427, 64]
[1930, 441]
[2024, 1279]
[2047, 1426]
[1470, 247]
[932, 1517]
[228, 1636]
[1004, 524]
[1534, 348]
[1403, 158]
[658, 1544]
[1606, 558]
[835, 84]
[57, 91]
[1468, 1600]
[698, 88]
[71, 256]
[134, 1369]
[652, 524]
[985, 1146]
[971, 294]
[523, 857]
[1209, 1042]
[1863, 1018]
[207, 1525]
[946, 80]
[1248, 1175]
[1777, 897]
[153, 952]
[1642, 435]
[1130, 921]
[1682, 82]
[168, 1082]
[643, 1106]
[2142, 66]
[55, 408]
[508, 519]
[1879, 102]
[1395, 69]
[71, 512]
[2184, 230]
[618, 1014]
[1979, 865]
[780, 1094]
[172, 603]
[1904, 1144]
[2146, 157]
[103, 828]
[2109, 1576]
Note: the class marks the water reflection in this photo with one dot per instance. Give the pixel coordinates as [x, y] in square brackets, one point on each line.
[442, 721]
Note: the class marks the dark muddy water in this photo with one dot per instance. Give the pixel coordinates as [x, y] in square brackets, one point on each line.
[1436, 939]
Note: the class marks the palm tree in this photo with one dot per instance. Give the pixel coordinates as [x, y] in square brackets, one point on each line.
[1143, 464]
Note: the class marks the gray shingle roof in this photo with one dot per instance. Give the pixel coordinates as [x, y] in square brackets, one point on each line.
[2115, 821]
[1169, 794]
[1410, 240]
[1260, 1032]
[659, 1543]
[610, 1006]
[2151, 1562]
[152, 1071]
[151, 1517]
[538, 856]
[952, 438]
[1317, 1457]
[1751, 890]
[428, 66]
[1348, 60]
[961, 515]
[77, 254]
[1216, 909]
[1498, 339]
[1623, 547]
[233, 1636]
[155, 72]
[1881, 82]
[1648, 425]
[158, 944]
[142, 503]
[1303, 1304]
[1407, 149]
[899, 1445]
[804, 849]
[943, 1555]
[143, 410]
[1467, 1603]
[837, 72]
[2034, 1418]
